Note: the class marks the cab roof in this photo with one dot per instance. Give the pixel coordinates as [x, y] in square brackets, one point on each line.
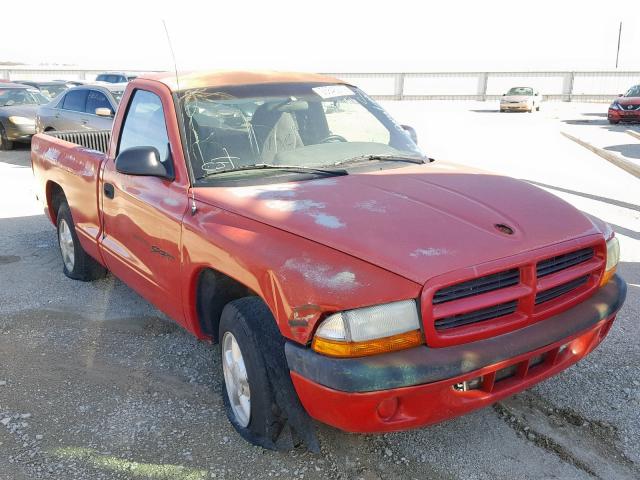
[6, 85]
[227, 78]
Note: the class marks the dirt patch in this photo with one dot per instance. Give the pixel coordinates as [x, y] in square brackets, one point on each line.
[589, 445]
[5, 259]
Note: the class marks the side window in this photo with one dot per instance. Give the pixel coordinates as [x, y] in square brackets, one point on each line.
[144, 125]
[95, 100]
[75, 100]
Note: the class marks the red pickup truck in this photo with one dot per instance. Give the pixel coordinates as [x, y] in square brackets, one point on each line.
[347, 277]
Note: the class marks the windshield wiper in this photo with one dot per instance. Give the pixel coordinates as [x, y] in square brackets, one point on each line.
[289, 168]
[383, 158]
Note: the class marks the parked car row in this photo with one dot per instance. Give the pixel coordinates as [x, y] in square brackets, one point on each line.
[28, 106]
[625, 108]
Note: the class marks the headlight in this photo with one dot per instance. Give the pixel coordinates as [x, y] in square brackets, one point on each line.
[613, 257]
[369, 330]
[22, 121]
[615, 106]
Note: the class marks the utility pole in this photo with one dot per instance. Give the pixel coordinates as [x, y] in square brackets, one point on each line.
[618, 52]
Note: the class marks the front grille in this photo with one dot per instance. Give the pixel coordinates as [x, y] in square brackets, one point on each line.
[560, 262]
[477, 286]
[494, 311]
[555, 292]
[514, 297]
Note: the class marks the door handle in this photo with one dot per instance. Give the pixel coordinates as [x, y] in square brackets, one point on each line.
[109, 191]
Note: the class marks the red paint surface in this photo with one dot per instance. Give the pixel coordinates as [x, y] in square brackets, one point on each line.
[435, 402]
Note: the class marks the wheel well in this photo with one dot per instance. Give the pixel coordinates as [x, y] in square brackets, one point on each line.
[214, 290]
[55, 196]
[49, 129]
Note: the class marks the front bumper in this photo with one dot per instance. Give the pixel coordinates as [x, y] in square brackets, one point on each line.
[423, 385]
[516, 107]
[623, 115]
[19, 133]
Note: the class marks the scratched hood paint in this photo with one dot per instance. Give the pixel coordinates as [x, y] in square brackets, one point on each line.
[417, 221]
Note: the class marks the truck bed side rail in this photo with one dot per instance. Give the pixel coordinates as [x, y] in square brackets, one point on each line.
[92, 139]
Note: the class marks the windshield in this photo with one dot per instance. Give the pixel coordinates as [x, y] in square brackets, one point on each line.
[296, 124]
[21, 96]
[633, 92]
[520, 91]
[52, 91]
[110, 78]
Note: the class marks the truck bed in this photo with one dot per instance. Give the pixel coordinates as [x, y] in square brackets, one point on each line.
[58, 163]
[97, 140]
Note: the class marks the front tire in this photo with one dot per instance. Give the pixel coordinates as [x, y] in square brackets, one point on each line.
[248, 394]
[77, 263]
[5, 143]
[614, 122]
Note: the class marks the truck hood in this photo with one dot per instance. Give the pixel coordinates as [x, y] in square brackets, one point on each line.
[417, 221]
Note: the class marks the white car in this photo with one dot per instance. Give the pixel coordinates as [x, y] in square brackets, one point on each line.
[521, 99]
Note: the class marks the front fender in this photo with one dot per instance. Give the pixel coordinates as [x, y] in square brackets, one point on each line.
[299, 279]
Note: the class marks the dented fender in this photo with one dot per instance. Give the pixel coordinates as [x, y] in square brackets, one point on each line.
[300, 280]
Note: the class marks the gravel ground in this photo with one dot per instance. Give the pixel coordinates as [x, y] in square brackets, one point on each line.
[96, 383]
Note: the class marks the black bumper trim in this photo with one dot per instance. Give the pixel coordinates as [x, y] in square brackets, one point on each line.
[423, 364]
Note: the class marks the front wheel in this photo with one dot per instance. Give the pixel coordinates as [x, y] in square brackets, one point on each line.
[248, 394]
[614, 122]
[77, 263]
[258, 394]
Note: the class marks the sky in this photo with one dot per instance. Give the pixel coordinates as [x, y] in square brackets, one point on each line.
[324, 36]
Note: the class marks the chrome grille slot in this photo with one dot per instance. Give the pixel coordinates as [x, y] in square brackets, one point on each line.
[97, 140]
[555, 292]
[560, 262]
[476, 316]
[477, 286]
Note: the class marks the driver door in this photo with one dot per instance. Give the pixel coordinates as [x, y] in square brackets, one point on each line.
[142, 215]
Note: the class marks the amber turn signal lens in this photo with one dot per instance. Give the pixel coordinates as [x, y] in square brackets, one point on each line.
[337, 348]
[608, 275]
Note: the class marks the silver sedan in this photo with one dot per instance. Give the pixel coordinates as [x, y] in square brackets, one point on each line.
[88, 107]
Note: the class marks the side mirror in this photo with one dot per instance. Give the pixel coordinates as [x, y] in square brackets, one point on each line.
[411, 132]
[537, 94]
[104, 112]
[621, 94]
[142, 161]
[504, 94]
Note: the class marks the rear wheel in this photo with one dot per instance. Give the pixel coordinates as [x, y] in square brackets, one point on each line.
[77, 264]
[5, 143]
